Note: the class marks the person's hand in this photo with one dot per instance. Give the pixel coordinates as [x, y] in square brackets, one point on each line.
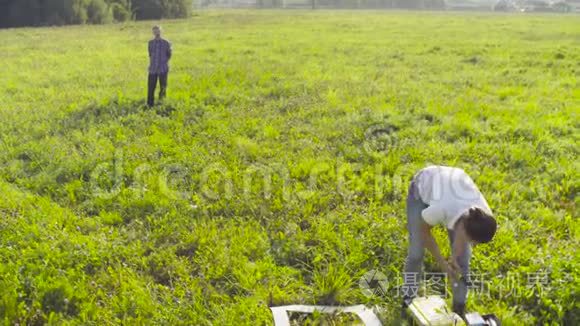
[452, 269]
[459, 308]
[454, 265]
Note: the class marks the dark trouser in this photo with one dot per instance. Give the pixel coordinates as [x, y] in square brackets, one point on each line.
[153, 84]
[414, 262]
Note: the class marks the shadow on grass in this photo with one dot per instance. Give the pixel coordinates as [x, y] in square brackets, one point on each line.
[96, 114]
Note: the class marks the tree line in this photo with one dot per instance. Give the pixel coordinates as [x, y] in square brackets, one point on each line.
[15, 13]
[326, 4]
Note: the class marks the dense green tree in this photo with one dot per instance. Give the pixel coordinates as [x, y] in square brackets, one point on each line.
[147, 9]
[14, 13]
[176, 8]
[121, 12]
[20, 12]
[98, 12]
[156, 9]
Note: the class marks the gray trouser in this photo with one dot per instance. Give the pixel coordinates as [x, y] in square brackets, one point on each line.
[414, 262]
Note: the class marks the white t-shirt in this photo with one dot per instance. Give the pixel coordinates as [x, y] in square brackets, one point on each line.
[449, 192]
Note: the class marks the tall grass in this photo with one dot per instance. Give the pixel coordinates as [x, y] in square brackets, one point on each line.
[276, 171]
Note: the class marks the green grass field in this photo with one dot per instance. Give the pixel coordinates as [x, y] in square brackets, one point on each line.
[276, 171]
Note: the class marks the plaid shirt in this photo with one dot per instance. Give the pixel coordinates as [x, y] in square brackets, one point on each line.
[159, 55]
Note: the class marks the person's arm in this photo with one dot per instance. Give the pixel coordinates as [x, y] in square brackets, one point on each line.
[430, 244]
[149, 48]
[432, 216]
[169, 51]
[460, 242]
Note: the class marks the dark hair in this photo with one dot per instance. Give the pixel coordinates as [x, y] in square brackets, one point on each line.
[479, 225]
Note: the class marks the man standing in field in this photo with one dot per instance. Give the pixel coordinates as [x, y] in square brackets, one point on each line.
[159, 55]
[449, 197]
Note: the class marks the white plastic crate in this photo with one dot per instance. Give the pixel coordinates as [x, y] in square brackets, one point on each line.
[433, 311]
